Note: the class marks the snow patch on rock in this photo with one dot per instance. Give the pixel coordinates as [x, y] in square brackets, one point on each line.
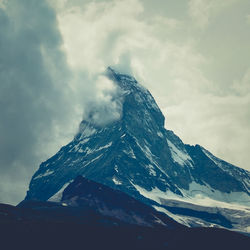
[116, 181]
[200, 195]
[58, 195]
[47, 173]
[179, 156]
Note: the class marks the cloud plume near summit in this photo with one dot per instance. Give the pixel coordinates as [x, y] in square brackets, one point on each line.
[53, 54]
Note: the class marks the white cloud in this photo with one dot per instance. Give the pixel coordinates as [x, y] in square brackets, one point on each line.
[92, 33]
[201, 11]
[107, 106]
[242, 87]
[107, 32]
[248, 18]
[2, 4]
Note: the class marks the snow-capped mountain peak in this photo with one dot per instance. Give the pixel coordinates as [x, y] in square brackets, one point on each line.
[137, 155]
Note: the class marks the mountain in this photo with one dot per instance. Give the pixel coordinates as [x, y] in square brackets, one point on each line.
[138, 156]
[95, 216]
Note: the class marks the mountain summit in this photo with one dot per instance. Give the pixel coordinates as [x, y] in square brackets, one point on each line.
[137, 155]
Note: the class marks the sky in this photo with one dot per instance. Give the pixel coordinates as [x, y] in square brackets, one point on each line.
[192, 55]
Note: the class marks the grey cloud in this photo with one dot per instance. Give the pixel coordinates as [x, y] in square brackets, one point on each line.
[41, 98]
[30, 101]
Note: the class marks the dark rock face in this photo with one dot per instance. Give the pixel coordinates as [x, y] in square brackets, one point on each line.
[47, 225]
[102, 199]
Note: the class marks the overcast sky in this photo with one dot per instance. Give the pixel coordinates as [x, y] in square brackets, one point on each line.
[193, 55]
